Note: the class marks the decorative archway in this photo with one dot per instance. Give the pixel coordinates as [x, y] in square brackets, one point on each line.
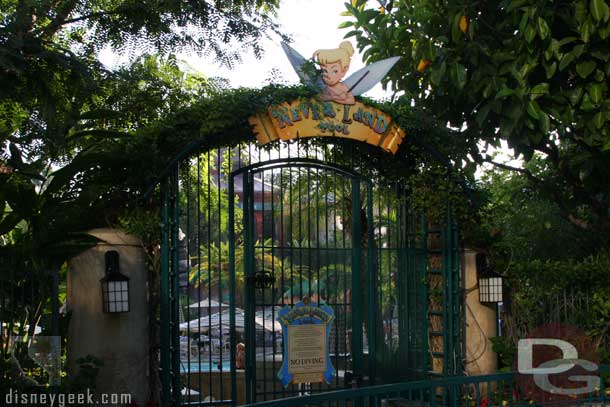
[315, 205]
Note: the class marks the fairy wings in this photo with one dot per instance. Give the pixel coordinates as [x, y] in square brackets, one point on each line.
[358, 83]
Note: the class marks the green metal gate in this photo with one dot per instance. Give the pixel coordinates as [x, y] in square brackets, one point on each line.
[248, 230]
[300, 242]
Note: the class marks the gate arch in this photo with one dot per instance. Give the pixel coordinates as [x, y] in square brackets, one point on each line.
[413, 301]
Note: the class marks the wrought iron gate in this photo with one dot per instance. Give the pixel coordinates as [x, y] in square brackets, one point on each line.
[302, 240]
[247, 230]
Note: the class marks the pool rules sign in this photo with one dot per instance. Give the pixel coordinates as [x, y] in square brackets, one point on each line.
[306, 330]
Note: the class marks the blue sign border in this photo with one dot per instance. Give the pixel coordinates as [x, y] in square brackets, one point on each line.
[303, 314]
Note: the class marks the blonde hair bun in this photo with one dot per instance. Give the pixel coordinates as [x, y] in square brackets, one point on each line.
[347, 46]
[341, 54]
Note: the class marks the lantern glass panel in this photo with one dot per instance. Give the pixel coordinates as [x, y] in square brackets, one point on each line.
[490, 289]
[115, 294]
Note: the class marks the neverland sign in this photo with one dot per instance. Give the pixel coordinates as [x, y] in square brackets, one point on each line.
[334, 112]
[306, 337]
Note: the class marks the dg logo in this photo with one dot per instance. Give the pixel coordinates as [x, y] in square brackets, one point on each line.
[557, 364]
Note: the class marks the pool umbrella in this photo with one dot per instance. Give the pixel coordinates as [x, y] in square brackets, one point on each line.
[209, 303]
[215, 321]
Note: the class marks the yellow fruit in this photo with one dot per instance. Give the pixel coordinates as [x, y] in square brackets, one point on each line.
[464, 24]
[504, 403]
[422, 65]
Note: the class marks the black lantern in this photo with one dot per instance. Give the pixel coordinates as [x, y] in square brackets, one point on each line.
[115, 286]
[490, 282]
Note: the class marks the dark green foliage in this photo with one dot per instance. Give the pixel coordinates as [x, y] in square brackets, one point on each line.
[531, 73]
[518, 223]
[506, 351]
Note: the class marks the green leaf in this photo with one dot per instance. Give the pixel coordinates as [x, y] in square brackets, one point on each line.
[599, 75]
[504, 92]
[575, 95]
[543, 28]
[598, 120]
[471, 28]
[579, 11]
[9, 222]
[585, 30]
[533, 109]
[460, 75]
[352, 33]
[566, 60]
[566, 40]
[523, 22]
[345, 24]
[602, 56]
[595, 91]
[539, 90]
[530, 33]
[514, 4]
[599, 10]
[545, 122]
[456, 33]
[482, 114]
[550, 69]
[585, 68]
[438, 74]
[586, 103]
[578, 50]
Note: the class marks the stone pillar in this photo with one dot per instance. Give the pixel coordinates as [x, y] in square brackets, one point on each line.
[481, 323]
[119, 340]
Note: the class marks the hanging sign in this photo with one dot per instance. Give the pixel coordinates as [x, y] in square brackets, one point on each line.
[306, 331]
[335, 111]
[314, 118]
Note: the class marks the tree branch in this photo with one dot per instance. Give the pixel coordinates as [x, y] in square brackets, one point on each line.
[507, 167]
[60, 18]
[92, 15]
[576, 185]
[565, 212]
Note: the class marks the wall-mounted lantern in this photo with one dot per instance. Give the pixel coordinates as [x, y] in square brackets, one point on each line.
[115, 286]
[490, 282]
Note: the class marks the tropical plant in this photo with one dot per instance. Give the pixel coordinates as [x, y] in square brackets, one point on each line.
[213, 270]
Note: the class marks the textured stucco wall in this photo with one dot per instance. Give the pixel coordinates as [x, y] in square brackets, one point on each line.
[120, 340]
[480, 323]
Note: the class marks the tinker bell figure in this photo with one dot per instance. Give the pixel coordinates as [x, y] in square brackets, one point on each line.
[335, 64]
